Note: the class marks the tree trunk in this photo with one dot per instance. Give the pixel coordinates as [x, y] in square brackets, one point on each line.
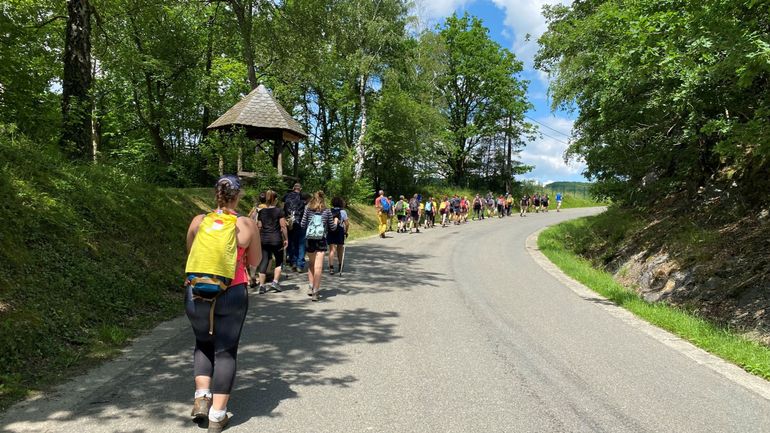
[159, 143]
[244, 14]
[76, 131]
[360, 149]
[508, 174]
[206, 120]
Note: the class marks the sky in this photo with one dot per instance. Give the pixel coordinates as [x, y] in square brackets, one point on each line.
[509, 22]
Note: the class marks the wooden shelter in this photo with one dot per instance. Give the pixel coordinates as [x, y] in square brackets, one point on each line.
[264, 121]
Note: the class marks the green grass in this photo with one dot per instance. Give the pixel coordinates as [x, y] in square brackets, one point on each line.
[555, 243]
[89, 259]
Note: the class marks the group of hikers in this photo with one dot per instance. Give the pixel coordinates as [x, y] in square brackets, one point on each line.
[413, 213]
[228, 253]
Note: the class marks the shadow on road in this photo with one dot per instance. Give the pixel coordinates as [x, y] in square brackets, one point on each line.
[286, 341]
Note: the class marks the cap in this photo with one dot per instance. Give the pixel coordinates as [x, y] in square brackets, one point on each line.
[232, 181]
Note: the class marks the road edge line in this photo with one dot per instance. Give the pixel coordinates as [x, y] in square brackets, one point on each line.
[716, 364]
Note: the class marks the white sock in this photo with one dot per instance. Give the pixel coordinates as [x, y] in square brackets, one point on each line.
[217, 415]
[202, 393]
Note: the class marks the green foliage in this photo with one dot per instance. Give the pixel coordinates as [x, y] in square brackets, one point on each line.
[672, 96]
[30, 49]
[89, 257]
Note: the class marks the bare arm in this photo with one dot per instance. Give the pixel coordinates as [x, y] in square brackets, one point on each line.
[284, 233]
[193, 230]
[254, 250]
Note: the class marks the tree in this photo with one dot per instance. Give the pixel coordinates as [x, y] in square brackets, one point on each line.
[479, 78]
[76, 81]
[673, 97]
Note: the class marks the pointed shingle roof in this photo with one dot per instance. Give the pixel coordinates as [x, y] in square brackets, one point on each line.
[259, 110]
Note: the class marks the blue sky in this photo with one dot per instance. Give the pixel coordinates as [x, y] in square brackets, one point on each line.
[509, 21]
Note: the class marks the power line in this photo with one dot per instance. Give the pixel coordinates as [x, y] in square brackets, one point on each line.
[543, 124]
[554, 138]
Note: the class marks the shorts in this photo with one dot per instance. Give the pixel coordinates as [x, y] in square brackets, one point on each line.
[429, 214]
[315, 245]
[336, 237]
[455, 210]
[415, 215]
[402, 218]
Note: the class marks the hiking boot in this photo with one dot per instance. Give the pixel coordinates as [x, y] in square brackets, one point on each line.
[201, 407]
[218, 426]
[274, 286]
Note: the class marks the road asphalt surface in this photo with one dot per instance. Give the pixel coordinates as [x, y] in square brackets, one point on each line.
[453, 329]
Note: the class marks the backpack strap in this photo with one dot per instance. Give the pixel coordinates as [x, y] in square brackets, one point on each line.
[213, 302]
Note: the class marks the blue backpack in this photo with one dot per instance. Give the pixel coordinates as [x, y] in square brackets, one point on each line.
[385, 204]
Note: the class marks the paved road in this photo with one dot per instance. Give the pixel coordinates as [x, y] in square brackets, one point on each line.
[451, 330]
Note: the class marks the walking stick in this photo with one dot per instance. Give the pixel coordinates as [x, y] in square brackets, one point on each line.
[342, 262]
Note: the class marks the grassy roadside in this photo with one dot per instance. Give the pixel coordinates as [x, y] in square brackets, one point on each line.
[731, 346]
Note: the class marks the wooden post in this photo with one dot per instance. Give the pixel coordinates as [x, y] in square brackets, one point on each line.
[296, 160]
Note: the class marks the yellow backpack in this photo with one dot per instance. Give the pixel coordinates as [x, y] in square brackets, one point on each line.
[212, 261]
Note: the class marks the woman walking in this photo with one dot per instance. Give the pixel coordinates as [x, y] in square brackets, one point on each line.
[275, 238]
[337, 237]
[317, 221]
[215, 303]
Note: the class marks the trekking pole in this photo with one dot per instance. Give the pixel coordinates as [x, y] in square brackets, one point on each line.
[342, 262]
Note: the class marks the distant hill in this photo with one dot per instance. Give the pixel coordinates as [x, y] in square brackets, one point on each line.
[577, 189]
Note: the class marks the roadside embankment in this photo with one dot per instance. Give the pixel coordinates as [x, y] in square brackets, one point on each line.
[689, 280]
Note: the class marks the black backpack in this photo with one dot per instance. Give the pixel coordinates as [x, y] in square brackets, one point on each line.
[294, 206]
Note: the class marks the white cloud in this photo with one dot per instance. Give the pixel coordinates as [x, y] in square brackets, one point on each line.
[525, 17]
[430, 12]
[546, 153]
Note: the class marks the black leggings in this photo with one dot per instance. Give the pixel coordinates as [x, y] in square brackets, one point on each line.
[271, 251]
[216, 355]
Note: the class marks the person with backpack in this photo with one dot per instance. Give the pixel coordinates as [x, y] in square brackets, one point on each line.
[221, 245]
[544, 202]
[274, 235]
[429, 208]
[477, 214]
[443, 211]
[464, 209]
[391, 214]
[293, 209]
[414, 213]
[508, 204]
[400, 208]
[490, 205]
[536, 202]
[253, 214]
[454, 209]
[317, 221]
[336, 238]
[558, 201]
[524, 205]
[382, 206]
